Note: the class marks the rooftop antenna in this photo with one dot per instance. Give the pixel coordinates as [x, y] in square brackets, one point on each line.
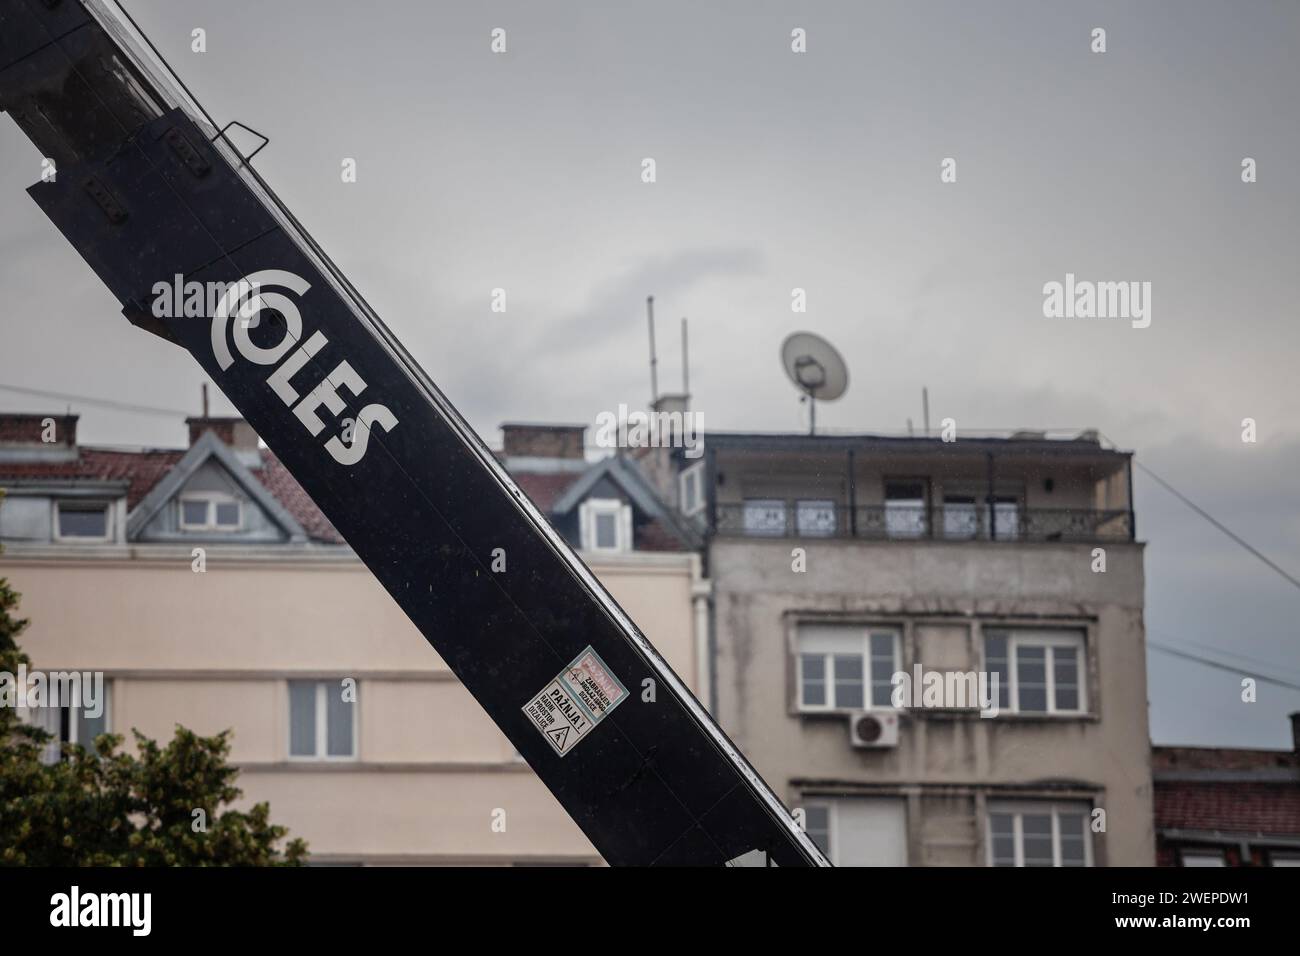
[686, 362]
[205, 399]
[925, 409]
[816, 370]
[654, 362]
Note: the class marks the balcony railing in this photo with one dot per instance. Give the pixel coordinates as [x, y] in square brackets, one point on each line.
[1003, 521]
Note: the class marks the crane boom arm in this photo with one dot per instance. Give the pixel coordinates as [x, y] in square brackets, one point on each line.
[148, 191]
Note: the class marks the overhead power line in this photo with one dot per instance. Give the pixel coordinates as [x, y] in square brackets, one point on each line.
[1294, 581]
[1168, 649]
[102, 402]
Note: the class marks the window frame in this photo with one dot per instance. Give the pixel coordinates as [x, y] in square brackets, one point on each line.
[773, 504]
[807, 505]
[822, 803]
[1048, 639]
[321, 714]
[1017, 810]
[212, 500]
[693, 475]
[53, 749]
[955, 504]
[588, 515]
[925, 525]
[1207, 853]
[828, 664]
[84, 504]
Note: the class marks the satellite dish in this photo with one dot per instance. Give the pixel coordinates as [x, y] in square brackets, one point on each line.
[815, 368]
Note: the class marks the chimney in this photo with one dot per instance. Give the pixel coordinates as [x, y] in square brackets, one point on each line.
[672, 412]
[563, 442]
[233, 432]
[18, 428]
[37, 437]
[1295, 731]
[672, 403]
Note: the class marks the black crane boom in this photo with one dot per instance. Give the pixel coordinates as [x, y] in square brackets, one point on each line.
[149, 191]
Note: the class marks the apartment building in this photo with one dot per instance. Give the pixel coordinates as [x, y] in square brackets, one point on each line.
[209, 590]
[1228, 806]
[838, 562]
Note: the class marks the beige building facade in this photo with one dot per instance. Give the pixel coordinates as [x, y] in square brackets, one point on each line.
[282, 619]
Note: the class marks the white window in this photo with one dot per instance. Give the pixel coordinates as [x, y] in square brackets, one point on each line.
[1204, 858]
[82, 521]
[1039, 834]
[846, 667]
[322, 720]
[960, 516]
[858, 831]
[1006, 518]
[68, 724]
[691, 488]
[905, 509]
[210, 511]
[605, 524]
[1038, 672]
[765, 516]
[815, 518]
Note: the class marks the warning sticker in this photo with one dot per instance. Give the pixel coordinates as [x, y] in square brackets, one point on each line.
[594, 687]
[576, 701]
[558, 718]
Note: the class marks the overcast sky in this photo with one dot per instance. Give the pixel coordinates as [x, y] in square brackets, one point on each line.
[778, 170]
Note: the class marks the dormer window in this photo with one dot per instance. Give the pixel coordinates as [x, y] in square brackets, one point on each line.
[210, 511]
[82, 521]
[606, 525]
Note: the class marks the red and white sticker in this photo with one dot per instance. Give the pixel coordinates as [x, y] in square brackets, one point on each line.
[579, 698]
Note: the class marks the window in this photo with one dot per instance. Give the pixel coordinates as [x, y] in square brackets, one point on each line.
[846, 668]
[1038, 672]
[960, 516]
[210, 511]
[82, 521]
[1039, 834]
[764, 516]
[1006, 518]
[1203, 858]
[322, 720]
[815, 518]
[858, 831]
[691, 487]
[905, 509]
[71, 724]
[817, 824]
[605, 524]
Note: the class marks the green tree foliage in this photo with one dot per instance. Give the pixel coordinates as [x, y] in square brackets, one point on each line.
[102, 807]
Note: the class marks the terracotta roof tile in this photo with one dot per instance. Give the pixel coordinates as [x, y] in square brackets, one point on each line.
[544, 488]
[144, 469]
[277, 480]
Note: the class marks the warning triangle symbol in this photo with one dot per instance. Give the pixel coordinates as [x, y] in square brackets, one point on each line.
[560, 736]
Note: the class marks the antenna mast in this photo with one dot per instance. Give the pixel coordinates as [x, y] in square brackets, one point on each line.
[654, 362]
[686, 362]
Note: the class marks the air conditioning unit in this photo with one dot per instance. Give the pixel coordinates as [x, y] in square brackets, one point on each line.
[874, 729]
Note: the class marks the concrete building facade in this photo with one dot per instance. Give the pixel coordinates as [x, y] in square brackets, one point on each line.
[838, 562]
[1228, 806]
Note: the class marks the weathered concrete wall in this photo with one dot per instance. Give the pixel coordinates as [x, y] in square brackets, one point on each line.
[941, 595]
